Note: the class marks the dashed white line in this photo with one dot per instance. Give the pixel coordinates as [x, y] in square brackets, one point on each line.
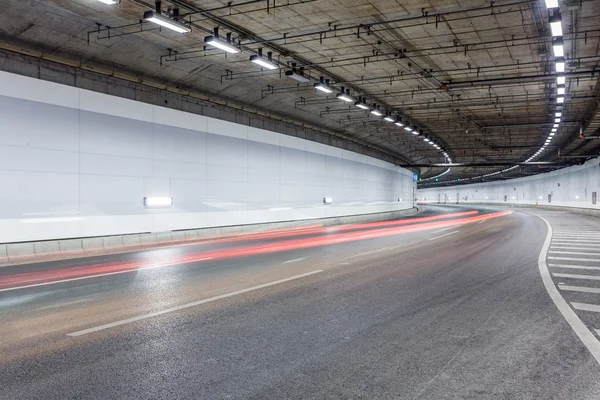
[573, 266]
[585, 335]
[106, 274]
[576, 276]
[580, 253]
[574, 259]
[583, 289]
[586, 307]
[294, 260]
[447, 234]
[188, 305]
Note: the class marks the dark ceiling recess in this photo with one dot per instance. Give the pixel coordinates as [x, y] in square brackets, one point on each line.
[500, 89]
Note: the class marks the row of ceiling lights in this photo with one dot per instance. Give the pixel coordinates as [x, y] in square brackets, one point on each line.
[558, 49]
[267, 62]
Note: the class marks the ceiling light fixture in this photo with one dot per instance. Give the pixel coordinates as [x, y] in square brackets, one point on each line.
[557, 120]
[415, 131]
[560, 80]
[225, 45]
[265, 62]
[110, 2]
[323, 85]
[376, 111]
[558, 114]
[399, 122]
[560, 64]
[361, 103]
[556, 25]
[560, 90]
[388, 117]
[297, 74]
[551, 3]
[560, 100]
[552, 134]
[558, 47]
[166, 22]
[345, 95]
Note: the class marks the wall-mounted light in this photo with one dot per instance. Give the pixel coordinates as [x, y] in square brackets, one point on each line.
[323, 86]
[166, 22]
[158, 201]
[265, 62]
[556, 25]
[225, 45]
[327, 200]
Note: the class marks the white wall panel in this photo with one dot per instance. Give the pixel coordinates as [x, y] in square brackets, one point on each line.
[107, 154]
[30, 124]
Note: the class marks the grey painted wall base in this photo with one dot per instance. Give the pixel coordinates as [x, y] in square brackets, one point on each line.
[21, 253]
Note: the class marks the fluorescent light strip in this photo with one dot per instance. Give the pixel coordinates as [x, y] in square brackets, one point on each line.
[166, 22]
[323, 88]
[560, 66]
[221, 44]
[560, 90]
[109, 2]
[344, 97]
[158, 201]
[263, 62]
[560, 100]
[560, 80]
[389, 119]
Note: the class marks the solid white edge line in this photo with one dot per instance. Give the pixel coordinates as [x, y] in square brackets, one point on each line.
[585, 335]
[105, 274]
[437, 237]
[188, 305]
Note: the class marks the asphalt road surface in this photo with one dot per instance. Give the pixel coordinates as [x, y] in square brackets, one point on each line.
[451, 303]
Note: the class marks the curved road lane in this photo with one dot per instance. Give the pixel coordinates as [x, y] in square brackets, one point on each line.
[450, 311]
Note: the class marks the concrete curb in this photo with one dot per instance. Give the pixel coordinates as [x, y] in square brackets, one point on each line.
[21, 253]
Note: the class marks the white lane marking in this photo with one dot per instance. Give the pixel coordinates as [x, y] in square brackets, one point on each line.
[586, 307]
[68, 303]
[583, 289]
[365, 253]
[589, 242]
[481, 222]
[581, 253]
[585, 335]
[447, 234]
[442, 230]
[597, 249]
[105, 274]
[188, 305]
[575, 259]
[573, 266]
[577, 276]
[294, 260]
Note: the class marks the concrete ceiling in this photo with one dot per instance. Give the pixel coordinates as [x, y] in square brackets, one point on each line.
[476, 76]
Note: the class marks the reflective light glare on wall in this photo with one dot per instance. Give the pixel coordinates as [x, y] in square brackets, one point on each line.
[166, 22]
[158, 201]
[556, 25]
[221, 44]
[559, 48]
[560, 80]
[560, 64]
[265, 62]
